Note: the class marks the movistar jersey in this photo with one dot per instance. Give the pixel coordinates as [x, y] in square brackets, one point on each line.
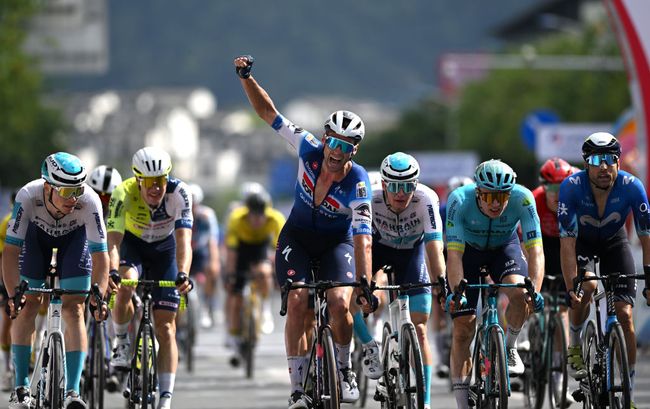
[129, 212]
[347, 204]
[419, 221]
[578, 212]
[467, 224]
[30, 209]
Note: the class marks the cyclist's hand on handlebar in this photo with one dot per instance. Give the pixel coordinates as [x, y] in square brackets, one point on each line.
[452, 304]
[243, 66]
[113, 281]
[183, 283]
[572, 299]
[537, 302]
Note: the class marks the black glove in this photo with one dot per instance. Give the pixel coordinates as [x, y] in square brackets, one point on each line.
[245, 72]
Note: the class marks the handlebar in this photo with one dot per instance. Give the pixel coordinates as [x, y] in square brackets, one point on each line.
[464, 285]
[135, 282]
[289, 285]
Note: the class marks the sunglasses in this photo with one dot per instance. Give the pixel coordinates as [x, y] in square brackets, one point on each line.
[489, 197]
[597, 160]
[67, 192]
[333, 143]
[149, 182]
[552, 187]
[406, 187]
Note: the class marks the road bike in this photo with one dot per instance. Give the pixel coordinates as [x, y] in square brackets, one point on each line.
[603, 347]
[96, 368]
[546, 359]
[402, 383]
[250, 322]
[187, 330]
[490, 380]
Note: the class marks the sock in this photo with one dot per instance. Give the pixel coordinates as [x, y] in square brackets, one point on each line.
[343, 358]
[21, 355]
[428, 369]
[166, 383]
[511, 337]
[574, 334]
[360, 328]
[121, 329]
[461, 392]
[296, 368]
[632, 373]
[6, 353]
[74, 364]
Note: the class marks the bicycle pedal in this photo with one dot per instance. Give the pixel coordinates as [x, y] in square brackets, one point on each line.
[578, 395]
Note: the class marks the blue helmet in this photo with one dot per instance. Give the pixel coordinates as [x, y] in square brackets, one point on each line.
[495, 175]
[63, 169]
[399, 167]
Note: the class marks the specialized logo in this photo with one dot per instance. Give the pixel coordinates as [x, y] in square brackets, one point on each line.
[614, 217]
[349, 258]
[286, 252]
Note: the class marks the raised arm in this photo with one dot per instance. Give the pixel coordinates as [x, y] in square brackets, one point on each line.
[258, 97]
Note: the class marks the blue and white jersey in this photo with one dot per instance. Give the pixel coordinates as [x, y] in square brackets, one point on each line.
[578, 213]
[346, 208]
[420, 221]
[30, 209]
[467, 224]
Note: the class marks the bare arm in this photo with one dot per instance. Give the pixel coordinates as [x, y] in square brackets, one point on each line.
[455, 271]
[10, 269]
[100, 270]
[258, 97]
[363, 256]
[114, 242]
[183, 249]
[536, 266]
[568, 260]
[436, 259]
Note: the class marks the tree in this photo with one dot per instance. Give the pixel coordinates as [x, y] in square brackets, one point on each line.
[29, 128]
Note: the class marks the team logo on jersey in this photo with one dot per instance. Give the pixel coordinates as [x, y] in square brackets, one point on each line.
[562, 209]
[531, 235]
[310, 138]
[363, 209]
[574, 180]
[614, 217]
[349, 274]
[628, 179]
[362, 191]
[307, 184]
[314, 165]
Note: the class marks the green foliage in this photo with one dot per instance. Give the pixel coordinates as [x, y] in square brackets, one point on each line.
[28, 127]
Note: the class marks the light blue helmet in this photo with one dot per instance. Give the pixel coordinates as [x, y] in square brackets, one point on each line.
[399, 167]
[63, 169]
[495, 175]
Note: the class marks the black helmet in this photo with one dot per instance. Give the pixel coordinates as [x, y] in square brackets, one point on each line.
[601, 142]
[256, 202]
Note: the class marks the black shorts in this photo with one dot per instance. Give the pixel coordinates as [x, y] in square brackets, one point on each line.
[615, 257]
[552, 264]
[247, 256]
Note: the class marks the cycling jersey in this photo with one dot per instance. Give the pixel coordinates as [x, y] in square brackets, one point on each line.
[420, 221]
[3, 231]
[30, 210]
[346, 206]
[129, 212]
[547, 218]
[204, 227]
[467, 224]
[240, 231]
[578, 212]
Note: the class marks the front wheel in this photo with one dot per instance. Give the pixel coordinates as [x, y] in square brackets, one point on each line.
[594, 379]
[618, 368]
[362, 379]
[535, 376]
[329, 373]
[97, 367]
[386, 386]
[411, 369]
[497, 380]
[556, 360]
[56, 384]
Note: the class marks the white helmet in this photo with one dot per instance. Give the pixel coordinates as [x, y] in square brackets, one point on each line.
[346, 123]
[248, 188]
[104, 179]
[455, 182]
[151, 161]
[400, 167]
[197, 193]
[63, 169]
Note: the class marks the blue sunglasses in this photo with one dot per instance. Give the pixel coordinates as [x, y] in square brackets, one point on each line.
[395, 187]
[333, 143]
[597, 160]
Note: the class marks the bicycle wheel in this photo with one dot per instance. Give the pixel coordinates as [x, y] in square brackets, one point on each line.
[97, 378]
[497, 379]
[411, 369]
[147, 371]
[357, 366]
[556, 358]
[329, 373]
[386, 386]
[190, 336]
[593, 380]
[477, 382]
[250, 340]
[55, 385]
[535, 375]
[618, 368]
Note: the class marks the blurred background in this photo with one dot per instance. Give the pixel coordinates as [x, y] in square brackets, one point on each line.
[453, 83]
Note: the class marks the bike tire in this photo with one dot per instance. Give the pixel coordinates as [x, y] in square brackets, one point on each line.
[357, 366]
[411, 368]
[97, 366]
[55, 386]
[619, 389]
[498, 371]
[249, 342]
[329, 371]
[593, 380]
[190, 336]
[477, 380]
[557, 346]
[388, 401]
[146, 370]
[535, 375]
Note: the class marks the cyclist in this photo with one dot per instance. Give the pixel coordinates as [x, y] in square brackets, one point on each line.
[482, 221]
[206, 263]
[7, 376]
[55, 211]
[406, 226]
[593, 206]
[104, 179]
[150, 224]
[330, 222]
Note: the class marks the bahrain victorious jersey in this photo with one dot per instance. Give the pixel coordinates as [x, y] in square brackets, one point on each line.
[578, 213]
[346, 208]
